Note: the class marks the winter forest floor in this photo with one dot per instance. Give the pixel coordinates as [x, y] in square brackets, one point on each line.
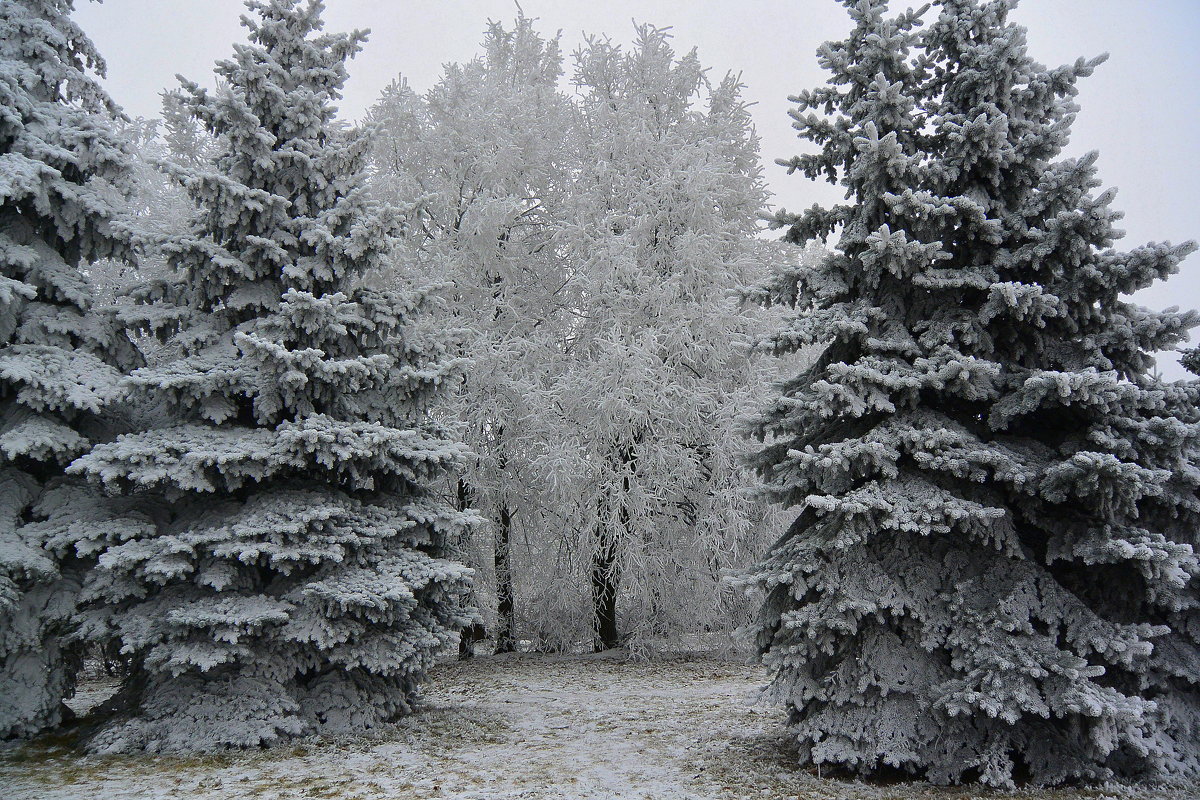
[518, 726]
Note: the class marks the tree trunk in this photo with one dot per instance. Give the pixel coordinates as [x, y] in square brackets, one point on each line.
[475, 632]
[606, 567]
[505, 613]
[605, 582]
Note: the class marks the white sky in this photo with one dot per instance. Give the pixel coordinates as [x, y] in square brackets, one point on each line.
[1141, 109]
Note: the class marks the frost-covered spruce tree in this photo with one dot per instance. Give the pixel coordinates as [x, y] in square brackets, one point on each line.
[272, 561]
[62, 170]
[991, 575]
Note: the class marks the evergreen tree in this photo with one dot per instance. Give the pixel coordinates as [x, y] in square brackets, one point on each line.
[272, 559]
[991, 575]
[62, 174]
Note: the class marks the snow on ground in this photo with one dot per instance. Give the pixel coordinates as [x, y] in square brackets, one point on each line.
[518, 726]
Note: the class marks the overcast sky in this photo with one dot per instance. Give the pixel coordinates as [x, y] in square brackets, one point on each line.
[1141, 109]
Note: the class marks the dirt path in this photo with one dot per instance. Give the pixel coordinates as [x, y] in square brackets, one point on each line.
[600, 727]
[538, 727]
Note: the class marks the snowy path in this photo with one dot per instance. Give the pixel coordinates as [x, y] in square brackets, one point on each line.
[495, 728]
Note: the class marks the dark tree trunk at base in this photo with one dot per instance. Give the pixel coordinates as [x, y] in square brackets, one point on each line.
[606, 569]
[467, 639]
[505, 609]
[475, 632]
[605, 581]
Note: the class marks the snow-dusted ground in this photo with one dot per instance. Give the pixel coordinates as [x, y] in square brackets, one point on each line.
[520, 726]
